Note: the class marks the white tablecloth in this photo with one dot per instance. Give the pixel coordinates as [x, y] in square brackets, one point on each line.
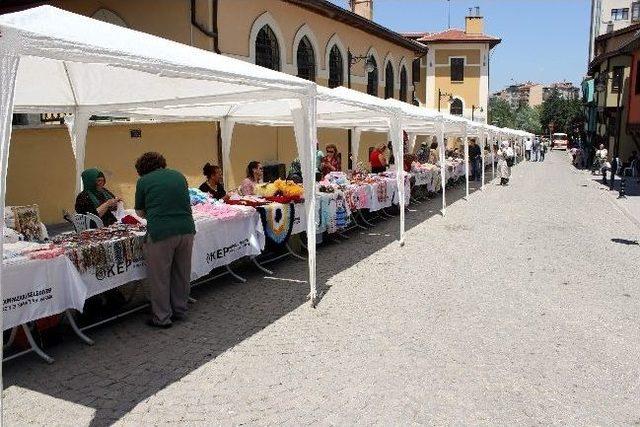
[220, 242]
[33, 289]
[217, 242]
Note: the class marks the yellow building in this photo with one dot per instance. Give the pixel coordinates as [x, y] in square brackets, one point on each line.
[454, 75]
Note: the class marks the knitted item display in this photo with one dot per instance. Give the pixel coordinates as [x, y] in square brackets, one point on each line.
[277, 221]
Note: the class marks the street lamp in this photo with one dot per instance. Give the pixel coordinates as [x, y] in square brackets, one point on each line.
[441, 95]
[473, 109]
[369, 67]
[369, 64]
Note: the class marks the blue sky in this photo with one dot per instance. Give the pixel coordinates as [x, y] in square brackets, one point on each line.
[542, 40]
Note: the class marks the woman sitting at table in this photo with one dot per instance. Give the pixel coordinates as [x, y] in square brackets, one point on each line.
[213, 185]
[377, 159]
[95, 198]
[254, 176]
[331, 162]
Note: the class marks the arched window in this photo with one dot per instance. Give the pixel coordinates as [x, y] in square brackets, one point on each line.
[372, 78]
[306, 60]
[403, 84]
[388, 80]
[336, 71]
[267, 49]
[456, 107]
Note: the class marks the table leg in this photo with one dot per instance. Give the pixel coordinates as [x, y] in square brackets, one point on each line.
[34, 345]
[78, 332]
[263, 269]
[235, 275]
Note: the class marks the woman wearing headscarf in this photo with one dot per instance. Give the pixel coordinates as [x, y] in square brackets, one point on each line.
[505, 161]
[95, 198]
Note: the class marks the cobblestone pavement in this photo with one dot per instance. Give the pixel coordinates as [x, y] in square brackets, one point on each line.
[519, 307]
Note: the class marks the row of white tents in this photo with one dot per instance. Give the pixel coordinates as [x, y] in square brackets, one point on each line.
[56, 61]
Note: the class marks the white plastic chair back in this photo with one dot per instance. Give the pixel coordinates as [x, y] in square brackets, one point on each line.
[95, 219]
[82, 222]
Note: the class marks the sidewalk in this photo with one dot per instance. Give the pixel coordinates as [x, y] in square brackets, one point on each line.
[630, 204]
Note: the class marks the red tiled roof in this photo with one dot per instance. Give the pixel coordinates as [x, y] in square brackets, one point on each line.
[455, 35]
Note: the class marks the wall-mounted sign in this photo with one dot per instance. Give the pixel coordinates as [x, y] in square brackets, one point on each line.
[135, 133]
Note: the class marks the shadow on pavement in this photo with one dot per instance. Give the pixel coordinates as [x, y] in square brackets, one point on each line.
[131, 362]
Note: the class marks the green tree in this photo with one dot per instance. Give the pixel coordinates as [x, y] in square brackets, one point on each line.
[500, 113]
[566, 115]
[528, 119]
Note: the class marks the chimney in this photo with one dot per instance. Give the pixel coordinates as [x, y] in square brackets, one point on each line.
[363, 8]
[474, 22]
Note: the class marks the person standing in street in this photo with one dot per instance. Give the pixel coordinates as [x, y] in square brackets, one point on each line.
[535, 150]
[528, 145]
[543, 150]
[505, 161]
[475, 158]
[162, 197]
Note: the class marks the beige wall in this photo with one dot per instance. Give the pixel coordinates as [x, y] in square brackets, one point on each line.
[186, 146]
[468, 90]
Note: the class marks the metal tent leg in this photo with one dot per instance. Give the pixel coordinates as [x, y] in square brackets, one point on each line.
[78, 332]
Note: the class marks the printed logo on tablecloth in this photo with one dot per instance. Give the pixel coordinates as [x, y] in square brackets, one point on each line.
[221, 253]
[113, 270]
[25, 299]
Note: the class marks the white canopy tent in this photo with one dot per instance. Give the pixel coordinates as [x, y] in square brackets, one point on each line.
[336, 108]
[56, 61]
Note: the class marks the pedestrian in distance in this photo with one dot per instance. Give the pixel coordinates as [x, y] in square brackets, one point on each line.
[599, 159]
[543, 150]
[475, 158]
[506, 157]
[528, 146]
[535, 150]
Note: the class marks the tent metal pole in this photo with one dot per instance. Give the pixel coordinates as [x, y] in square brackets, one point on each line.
[466, 159]
[8, 73]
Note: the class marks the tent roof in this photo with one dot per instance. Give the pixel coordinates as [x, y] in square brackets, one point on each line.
[69, 60]
[338, 108]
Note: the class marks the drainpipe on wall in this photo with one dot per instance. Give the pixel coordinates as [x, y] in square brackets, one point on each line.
[209, 33]
[213, 33]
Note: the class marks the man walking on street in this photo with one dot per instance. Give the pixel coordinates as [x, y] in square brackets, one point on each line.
[527, 149]
[535, 154]
[475, 158]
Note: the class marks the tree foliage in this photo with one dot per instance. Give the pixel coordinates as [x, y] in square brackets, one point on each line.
[528, 119]
[501, 114]
[566, 115]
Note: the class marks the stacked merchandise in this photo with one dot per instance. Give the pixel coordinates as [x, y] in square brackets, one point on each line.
[427, 174]
[99, 249]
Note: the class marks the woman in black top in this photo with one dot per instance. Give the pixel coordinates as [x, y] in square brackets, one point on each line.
[213, 184]
[95, 198]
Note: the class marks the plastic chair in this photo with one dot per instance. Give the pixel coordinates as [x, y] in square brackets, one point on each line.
[631, 168]
[82, 222]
